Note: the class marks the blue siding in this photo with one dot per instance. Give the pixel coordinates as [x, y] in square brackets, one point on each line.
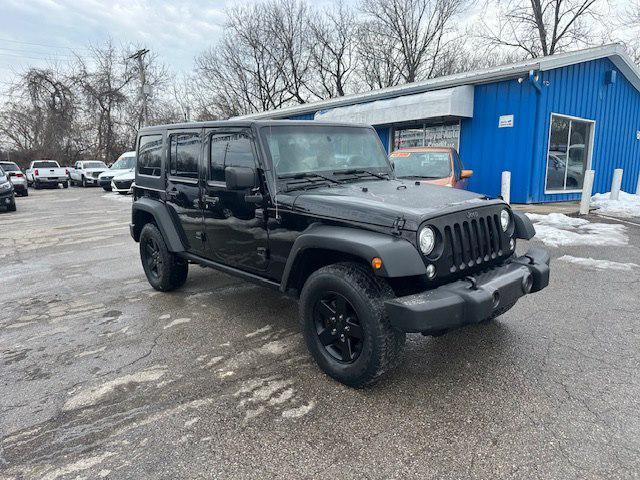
[581, 91]
[304, 116]
[384, 134]
[489, 150]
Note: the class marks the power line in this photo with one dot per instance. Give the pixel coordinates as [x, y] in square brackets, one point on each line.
[42, 44]
[36, 58]
[36, 52]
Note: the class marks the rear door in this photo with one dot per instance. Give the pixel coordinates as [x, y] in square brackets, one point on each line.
[235, 230]
[184, 153]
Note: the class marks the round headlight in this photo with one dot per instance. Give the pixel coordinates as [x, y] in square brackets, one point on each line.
[505, 219]
[427, 240]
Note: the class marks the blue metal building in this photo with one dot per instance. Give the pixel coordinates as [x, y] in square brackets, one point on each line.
[546, 120]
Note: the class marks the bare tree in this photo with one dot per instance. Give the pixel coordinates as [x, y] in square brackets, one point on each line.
[104, 79]
[379, 59]
[415, 31]
[540, 27]
[239, 75]
[289, 44]
[334, 43]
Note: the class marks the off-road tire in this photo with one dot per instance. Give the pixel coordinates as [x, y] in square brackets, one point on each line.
[172, 271]
[382, 344]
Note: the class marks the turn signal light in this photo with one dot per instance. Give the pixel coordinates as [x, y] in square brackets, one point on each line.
[376, 263]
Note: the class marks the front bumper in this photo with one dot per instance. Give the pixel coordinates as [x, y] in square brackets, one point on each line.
[105, 181]
[121, 186]
[472, 299]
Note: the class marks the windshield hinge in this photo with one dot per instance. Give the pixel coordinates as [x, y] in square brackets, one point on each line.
[398, 225]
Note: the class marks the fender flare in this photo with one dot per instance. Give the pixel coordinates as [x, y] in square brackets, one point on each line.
[524, 228]
[163, 219]
[399, 257]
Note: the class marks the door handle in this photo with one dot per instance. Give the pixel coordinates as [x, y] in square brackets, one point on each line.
[210, 201]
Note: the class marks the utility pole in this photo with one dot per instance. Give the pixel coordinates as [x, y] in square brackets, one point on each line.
[144, 88]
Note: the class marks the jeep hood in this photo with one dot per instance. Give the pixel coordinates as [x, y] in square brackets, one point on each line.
[383, 202]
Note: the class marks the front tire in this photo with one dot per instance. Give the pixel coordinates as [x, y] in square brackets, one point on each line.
[345, 325]
[165, 271]
[107, 188]
[12, 206]
[84, 182]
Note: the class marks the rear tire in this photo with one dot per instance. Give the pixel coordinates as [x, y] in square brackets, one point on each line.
[372, 346]
[165, 271]
[65, 185]
[36, 185]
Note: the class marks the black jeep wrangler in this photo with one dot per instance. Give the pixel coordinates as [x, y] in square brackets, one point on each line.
[314, 210]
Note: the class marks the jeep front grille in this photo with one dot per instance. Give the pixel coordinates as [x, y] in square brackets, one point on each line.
[469, 240]
[473, 242]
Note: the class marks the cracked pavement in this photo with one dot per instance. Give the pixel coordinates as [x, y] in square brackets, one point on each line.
[102, 377]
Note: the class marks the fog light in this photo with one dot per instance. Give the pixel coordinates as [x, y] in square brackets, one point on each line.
[431, 271]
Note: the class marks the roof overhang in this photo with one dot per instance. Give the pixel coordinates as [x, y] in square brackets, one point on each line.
[614, 52]
[448, 102]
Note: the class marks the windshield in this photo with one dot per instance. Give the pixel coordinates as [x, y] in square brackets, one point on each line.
[125, 163]
[9, 167]
[44, 164]
[93, 165]
[323, 148]
[422, 164]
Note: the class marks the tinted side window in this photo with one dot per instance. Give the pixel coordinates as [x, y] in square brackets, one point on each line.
[219, 144]
[239, 151]
[150, 155]
[184, 153]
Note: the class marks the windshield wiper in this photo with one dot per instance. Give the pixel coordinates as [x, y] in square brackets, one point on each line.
[307, 175]
[356, 171]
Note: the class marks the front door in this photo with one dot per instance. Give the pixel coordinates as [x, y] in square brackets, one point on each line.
[183, 184]
[235, 230]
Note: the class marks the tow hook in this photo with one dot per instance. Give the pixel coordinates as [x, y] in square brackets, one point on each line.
[473, 282]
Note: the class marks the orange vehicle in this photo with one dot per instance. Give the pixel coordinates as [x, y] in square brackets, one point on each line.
[436, 165]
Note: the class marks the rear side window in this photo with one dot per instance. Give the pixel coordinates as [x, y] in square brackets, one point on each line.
[150, 155]
[184, 153]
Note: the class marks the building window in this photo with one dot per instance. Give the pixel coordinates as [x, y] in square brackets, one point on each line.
[569, 153]
[427, 136]
[150, 155]
[184, 152]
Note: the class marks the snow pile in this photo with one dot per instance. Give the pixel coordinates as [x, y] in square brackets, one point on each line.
[627, 206]
[599, 264]
[119, 198]
[557, 229]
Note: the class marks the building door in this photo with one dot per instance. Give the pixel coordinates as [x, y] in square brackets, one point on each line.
[568, 153]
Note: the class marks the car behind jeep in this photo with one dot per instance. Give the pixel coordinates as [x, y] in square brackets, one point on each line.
[315, 211]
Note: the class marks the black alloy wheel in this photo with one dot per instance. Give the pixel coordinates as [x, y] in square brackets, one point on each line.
[338, 327]
[153, 257]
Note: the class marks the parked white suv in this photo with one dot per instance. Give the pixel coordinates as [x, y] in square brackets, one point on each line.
[125, 163]
[123, 183]
[86, 172]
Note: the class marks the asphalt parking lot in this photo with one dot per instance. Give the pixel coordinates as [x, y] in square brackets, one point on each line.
[102, 377]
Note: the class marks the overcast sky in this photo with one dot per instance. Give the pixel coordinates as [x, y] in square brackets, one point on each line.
[33, 30]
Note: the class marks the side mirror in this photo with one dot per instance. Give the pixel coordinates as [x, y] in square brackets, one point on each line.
[466, 173]
[240, 178]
